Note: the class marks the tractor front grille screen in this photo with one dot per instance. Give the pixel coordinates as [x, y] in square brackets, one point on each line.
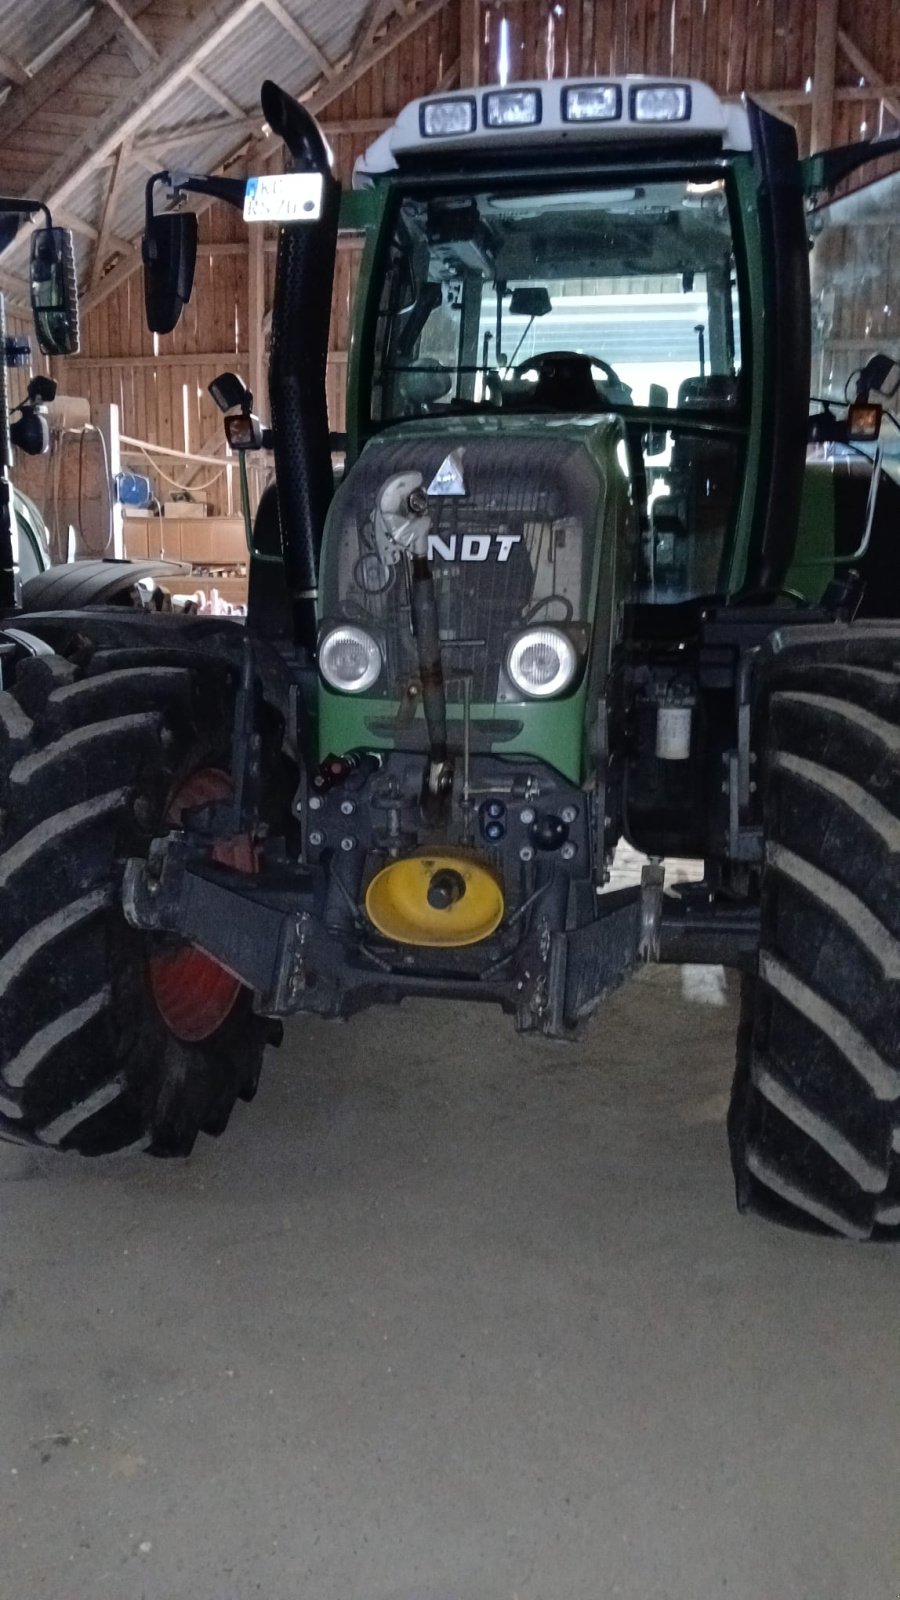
[517, 547]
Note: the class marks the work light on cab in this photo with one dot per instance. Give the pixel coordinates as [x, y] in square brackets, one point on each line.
[512, 108]
[592, 102]
[349, 659]
[443, 118]
[661, 102]
[542, 662]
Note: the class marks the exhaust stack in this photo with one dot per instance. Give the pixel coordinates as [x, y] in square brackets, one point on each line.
[301, 314]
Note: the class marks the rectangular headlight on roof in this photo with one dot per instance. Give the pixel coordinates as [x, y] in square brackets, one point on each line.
[512, 108]
[592, 102]
[442, 119]
[661, 102]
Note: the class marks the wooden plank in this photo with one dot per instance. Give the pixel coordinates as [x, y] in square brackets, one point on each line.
[12, 69]
[217, 21]
[470, 18]
[301, 36]
[109, 205]
[824, 64]
[213, 92]
[586, 65]
[726, 43]
[57, 74]
[858, 59]
[133, 30]
[212, 359]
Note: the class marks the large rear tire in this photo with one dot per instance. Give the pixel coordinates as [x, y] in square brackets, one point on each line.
[814, 1122]
[89, 761]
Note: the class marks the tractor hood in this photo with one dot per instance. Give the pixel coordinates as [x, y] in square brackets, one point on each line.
[514, 514]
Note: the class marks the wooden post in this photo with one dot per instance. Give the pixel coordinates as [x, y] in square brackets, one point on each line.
[106, 418]
[824, 74]
[256, 306]
[470, 25]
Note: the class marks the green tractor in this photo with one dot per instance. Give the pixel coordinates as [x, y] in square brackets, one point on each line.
[575, 585]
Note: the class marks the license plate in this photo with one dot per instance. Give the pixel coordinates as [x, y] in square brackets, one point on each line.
[284, 197]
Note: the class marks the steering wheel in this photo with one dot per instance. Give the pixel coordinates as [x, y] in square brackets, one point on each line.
[565, 378]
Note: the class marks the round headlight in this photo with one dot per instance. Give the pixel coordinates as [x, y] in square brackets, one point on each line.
[349, 659]
[542, 662]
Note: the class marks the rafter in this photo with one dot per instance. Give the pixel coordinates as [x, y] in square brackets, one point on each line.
[360, 61]
[12, 69]
[374, 17]
[824, 73]
[71, 219]
[40, 88]
[197, 128]
[217, 21]
[352, 67]
[860, 61]
[109, 205]
[300, 35]
[134, 33]
[213, 91]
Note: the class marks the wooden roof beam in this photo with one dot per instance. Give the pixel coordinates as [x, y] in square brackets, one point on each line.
[860, 61]
[133, 33]
[217, 20]
[40, 88]
[361, 59]
[105, 234]
[350, 69]
[825, 59]
[198, 128]
[12, 69]
[213, 92]
[299, 34]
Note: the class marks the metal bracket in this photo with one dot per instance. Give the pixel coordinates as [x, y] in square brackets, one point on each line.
[652, 883]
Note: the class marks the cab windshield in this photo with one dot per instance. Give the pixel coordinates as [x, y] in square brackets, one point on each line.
[589, 299]
[585, 300]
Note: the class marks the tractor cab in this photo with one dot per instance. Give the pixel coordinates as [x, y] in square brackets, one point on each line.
[617, 249]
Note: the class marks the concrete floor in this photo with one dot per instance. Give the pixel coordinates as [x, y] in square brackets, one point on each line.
[446, 1316]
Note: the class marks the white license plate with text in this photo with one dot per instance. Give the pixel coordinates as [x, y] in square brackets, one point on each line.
[284, 197]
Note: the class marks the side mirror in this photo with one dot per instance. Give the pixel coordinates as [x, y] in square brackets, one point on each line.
[169, 253]
[54, 291]
[656, 437]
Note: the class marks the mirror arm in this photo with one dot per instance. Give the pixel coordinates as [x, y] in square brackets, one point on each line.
[825, 169]
[231, 190]
[13, 206]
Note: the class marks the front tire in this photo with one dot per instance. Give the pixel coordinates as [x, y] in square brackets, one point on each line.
[814, 1123]
[89, 758]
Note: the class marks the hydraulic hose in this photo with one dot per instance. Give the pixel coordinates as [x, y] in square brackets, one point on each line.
[428, 647]
[7, 571]
[301, 315]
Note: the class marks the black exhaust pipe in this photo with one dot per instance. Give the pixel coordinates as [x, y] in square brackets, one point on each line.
[301, 315]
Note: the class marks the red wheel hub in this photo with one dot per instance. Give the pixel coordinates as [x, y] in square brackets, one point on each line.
[194, 994]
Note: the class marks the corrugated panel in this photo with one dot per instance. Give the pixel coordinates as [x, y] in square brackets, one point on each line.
[28, 31]
[260, 49]
[186, 103]
[263, 49]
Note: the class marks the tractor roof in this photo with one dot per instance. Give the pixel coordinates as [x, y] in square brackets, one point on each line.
[621, 112]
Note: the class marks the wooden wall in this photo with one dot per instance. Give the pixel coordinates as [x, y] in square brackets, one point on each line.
[767, 46]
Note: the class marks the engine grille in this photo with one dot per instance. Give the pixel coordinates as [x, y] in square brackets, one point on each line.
[519, 542]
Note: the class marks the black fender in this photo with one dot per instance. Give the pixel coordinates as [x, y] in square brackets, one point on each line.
[79, 584]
